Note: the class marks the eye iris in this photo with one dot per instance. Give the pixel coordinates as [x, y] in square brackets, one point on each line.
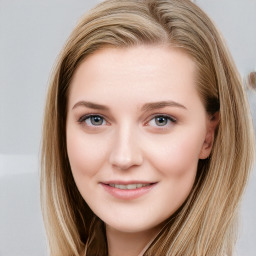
[161, 120]
[96, 120]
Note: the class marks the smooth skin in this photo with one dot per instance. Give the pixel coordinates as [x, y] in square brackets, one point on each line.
[135, 116]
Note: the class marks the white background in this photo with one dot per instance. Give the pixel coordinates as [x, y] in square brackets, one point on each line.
[32, 33]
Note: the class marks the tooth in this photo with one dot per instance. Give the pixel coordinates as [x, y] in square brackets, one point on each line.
[128, 186]
[120, 186]
[131, 186]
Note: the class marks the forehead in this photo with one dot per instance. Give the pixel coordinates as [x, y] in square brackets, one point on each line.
[140, 73]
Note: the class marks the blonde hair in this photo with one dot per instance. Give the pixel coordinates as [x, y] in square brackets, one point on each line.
[205, 223]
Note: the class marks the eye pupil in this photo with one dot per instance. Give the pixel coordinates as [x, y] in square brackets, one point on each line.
[161, 120]
[96, 120]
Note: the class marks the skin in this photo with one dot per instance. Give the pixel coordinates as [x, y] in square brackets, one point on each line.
[127, 143]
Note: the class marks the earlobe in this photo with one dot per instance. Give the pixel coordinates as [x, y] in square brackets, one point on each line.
[209, 138]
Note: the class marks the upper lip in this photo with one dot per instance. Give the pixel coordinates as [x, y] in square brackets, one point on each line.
[121, 182]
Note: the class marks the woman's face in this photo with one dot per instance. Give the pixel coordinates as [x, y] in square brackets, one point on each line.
[136, 128]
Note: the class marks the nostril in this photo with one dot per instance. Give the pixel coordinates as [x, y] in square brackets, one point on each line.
[124, 163]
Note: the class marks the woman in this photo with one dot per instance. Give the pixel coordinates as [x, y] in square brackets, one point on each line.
[147, 141]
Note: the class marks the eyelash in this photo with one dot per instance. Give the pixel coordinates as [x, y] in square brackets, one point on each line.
[82, 119]
[169, 119]
[85, 117]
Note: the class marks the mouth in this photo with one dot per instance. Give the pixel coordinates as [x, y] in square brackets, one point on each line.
[127, 190]
[129, 186]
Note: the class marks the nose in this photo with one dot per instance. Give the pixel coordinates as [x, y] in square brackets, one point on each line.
[126, 151]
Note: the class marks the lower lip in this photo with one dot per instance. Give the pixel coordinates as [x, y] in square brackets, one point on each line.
[127, 194]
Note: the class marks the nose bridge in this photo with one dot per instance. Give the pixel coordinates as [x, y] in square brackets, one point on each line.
[126, 151]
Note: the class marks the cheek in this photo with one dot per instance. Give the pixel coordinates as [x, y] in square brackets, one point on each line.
[176, 160]
[178, 154]
[86, 154]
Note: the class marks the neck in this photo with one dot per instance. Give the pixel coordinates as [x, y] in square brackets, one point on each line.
[129, 244]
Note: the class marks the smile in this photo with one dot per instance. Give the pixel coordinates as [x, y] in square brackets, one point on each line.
[128, 186]
[127, 190]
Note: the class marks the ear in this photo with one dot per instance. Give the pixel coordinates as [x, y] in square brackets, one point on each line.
[209, 138]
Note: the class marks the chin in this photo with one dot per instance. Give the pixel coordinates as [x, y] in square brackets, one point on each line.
[130, 228]
[134, 225]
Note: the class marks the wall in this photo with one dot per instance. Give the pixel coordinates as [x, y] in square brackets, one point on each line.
[31, 35]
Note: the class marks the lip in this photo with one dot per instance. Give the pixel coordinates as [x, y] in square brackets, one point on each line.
[127, 194]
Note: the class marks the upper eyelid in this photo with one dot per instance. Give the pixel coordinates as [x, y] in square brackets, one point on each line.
[84, 117]
[172, 118]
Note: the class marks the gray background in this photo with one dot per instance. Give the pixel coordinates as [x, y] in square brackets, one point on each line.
[32, 33]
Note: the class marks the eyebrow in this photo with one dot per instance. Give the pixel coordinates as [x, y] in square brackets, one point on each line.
[161, 104]
[146, 107]
[90, 105]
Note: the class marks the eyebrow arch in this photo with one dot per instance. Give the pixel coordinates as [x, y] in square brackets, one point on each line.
[90, 105]
[146, 107]
[161, 104]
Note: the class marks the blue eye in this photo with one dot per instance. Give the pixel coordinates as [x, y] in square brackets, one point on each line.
[93, 120]
[161, 121]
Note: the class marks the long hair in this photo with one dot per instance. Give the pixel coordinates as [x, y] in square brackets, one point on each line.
[206, 222]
